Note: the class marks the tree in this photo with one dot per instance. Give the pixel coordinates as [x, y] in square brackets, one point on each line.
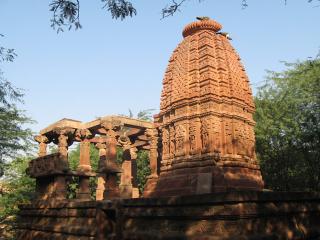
[145, 115]
[15, 188]
[13, 135]
[288, 127]
[66, 13]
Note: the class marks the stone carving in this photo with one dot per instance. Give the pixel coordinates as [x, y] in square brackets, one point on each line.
[64, 139]
[192, 139]
[111, 127]
[82, 134]
[172, 146]
[180, 140]
[47, 165]
[194, 136]
[206, 135]
[228, 136]
[165, 143]
[216, 131]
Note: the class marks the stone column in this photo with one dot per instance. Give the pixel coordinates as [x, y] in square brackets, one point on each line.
[60, 181]
[153, 137]
[112, 169]
[42, 140]
[84, 167]
[101, 176]
[83, 136]
[128, 186]
[108, 168]
[42, 184]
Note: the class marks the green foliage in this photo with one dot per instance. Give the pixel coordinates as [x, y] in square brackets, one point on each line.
[66, 13]
[15, 188]
[145, 115]
[143, 169]
[13, 135]
[74, 157]
[288, 127]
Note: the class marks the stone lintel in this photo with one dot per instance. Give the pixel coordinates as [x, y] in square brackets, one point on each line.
[63, 123]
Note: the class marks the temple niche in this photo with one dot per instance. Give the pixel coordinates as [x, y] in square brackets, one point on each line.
[206, 117]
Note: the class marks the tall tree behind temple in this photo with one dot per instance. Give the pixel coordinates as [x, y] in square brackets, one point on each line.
[288, 127]
[13, 135]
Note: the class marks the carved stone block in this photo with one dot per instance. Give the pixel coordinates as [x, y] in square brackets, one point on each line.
[48, 165]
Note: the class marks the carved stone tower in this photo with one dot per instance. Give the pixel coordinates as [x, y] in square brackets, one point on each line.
[206, 121]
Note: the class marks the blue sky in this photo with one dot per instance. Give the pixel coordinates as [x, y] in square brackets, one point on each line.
[110, 66]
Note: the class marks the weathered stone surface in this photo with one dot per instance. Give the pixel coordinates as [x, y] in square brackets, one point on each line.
[234, 215]
[47, 165]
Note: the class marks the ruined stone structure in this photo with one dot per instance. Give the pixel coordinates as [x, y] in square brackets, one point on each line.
[206, 118]
[52, 171]
[204, 183]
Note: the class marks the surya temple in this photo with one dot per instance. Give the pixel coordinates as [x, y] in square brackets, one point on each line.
[205, 180]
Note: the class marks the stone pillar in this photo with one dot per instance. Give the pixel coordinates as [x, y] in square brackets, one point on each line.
[128, 184]
[42, 185]
[83, 135]
[42, 140]
[108, 168]
[112, 169]
[134, 172]
[101, 176]
[153, 137]
[84, 167]
[60, 181]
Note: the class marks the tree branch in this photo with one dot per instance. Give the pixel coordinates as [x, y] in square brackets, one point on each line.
[66, 14]
[119, 8]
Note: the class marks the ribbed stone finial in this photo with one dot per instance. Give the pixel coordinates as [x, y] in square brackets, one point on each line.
[202, 24]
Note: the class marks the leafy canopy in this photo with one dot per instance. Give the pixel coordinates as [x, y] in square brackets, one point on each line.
[288, 127]
[13, 135]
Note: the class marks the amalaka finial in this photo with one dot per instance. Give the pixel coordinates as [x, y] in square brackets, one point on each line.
[204, 23]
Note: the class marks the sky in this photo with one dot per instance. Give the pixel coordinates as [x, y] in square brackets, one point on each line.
[110, 66]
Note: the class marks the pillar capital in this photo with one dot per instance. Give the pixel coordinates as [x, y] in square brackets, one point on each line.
[114, 125]
[82, 134]
[67, 131]
[42, 140]
[64, 139]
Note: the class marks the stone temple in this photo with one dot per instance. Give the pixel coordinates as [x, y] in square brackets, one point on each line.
[206, 118]
[204, 182]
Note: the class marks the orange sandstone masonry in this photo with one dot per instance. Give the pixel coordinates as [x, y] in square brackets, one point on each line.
[206, 118]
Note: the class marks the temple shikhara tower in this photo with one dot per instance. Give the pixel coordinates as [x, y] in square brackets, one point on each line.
[204, 181]
[206, 118]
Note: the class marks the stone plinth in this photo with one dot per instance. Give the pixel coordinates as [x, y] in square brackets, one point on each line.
[206, 118]
[233, 215]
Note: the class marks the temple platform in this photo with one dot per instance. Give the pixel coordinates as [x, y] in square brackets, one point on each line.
[233, 215]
